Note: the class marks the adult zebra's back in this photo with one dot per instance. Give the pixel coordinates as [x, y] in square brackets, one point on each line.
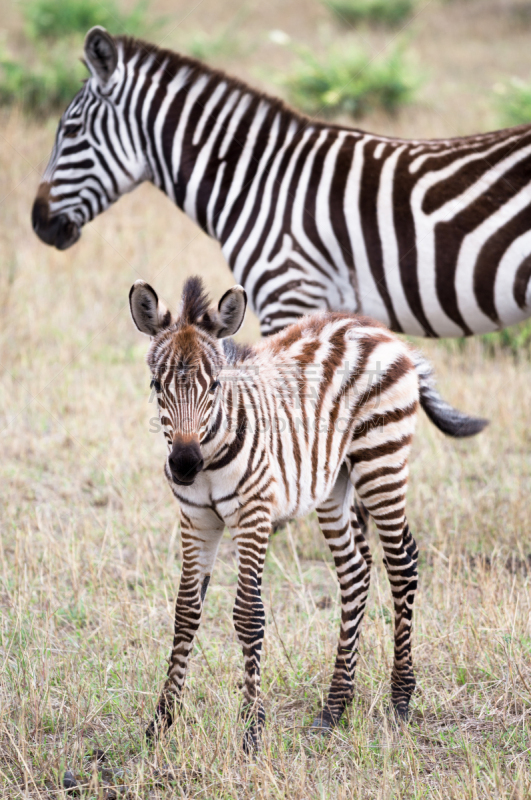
[430, 237]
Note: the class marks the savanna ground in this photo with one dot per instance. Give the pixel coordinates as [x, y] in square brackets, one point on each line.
[89, 547]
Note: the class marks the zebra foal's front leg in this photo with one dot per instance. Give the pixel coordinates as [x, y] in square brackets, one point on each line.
[249, 622]
[199, 553]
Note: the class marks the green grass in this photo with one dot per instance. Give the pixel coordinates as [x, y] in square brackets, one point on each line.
[513, 102]
[59, 18]
[350, 81]
[382, 12]
[40, 88]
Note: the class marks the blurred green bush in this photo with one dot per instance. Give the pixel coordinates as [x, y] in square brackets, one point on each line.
[383, 12]
[50, 77]
[59, 18]
[350, 81]
[48, 85]
[208, 47]
[516, 339]
[513, 102]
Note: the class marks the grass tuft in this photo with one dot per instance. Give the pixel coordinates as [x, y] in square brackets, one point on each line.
[380, 12]
[513, 102]
[59, 18]
[351, 82]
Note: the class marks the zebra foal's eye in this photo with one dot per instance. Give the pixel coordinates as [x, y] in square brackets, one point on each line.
[155, 384]
[72, 130]
[214, 386]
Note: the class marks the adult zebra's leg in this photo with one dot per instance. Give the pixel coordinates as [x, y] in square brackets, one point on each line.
[339, 522]
[249, 619]
[199, 546]
[383, 494]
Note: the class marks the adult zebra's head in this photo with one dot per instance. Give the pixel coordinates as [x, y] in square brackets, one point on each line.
[186, 358]
[95, 158]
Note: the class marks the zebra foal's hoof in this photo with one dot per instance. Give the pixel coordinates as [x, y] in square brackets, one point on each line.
[70, 784]
[323, 723]
[158, 726]
[399, 714]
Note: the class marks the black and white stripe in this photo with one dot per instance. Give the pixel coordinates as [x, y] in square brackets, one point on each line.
[432, 238]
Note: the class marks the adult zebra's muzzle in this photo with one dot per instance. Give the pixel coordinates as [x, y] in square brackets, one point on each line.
[185, 460]
[58, 231]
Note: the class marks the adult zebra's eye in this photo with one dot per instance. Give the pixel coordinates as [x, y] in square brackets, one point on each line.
[214, 386]
[155, 384]
[72, 130]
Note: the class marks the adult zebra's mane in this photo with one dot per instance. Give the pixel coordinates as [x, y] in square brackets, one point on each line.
[131, 47]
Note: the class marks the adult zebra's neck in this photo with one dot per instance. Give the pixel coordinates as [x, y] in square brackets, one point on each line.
[210, 141]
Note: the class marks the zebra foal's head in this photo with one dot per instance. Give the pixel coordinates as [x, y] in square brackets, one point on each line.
[95, 157]
[186, 358]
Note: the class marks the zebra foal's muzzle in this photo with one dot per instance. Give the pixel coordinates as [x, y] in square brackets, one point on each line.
[185, 460]
[58, 231]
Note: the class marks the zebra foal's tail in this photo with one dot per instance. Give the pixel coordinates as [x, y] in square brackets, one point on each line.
[448, 419]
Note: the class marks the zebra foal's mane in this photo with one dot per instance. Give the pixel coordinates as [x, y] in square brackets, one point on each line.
[194, 303]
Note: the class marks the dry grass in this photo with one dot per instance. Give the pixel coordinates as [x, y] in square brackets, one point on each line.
[89, 546]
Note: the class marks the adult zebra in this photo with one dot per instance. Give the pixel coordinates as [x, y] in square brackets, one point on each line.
[430, 237]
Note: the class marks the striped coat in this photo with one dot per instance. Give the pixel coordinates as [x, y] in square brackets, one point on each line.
[432, 238]
[310, 418]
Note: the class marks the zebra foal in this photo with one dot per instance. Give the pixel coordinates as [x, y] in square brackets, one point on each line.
[307, 419]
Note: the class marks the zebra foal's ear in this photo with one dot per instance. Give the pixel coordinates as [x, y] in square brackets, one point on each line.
[231, 310]
[100, 53]
[149, 314]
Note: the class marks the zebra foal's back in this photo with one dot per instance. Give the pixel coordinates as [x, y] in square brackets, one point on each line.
[322, 387]
[311, 418]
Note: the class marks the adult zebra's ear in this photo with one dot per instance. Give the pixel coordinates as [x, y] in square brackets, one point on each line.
[231, 310]
[149, 314]
[100, 53]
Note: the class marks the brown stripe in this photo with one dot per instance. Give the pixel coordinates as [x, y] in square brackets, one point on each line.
[381, 472]
[381, 420]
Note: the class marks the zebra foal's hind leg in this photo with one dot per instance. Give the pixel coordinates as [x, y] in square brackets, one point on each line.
[363, 517]
[339, 522]
[382, 490]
